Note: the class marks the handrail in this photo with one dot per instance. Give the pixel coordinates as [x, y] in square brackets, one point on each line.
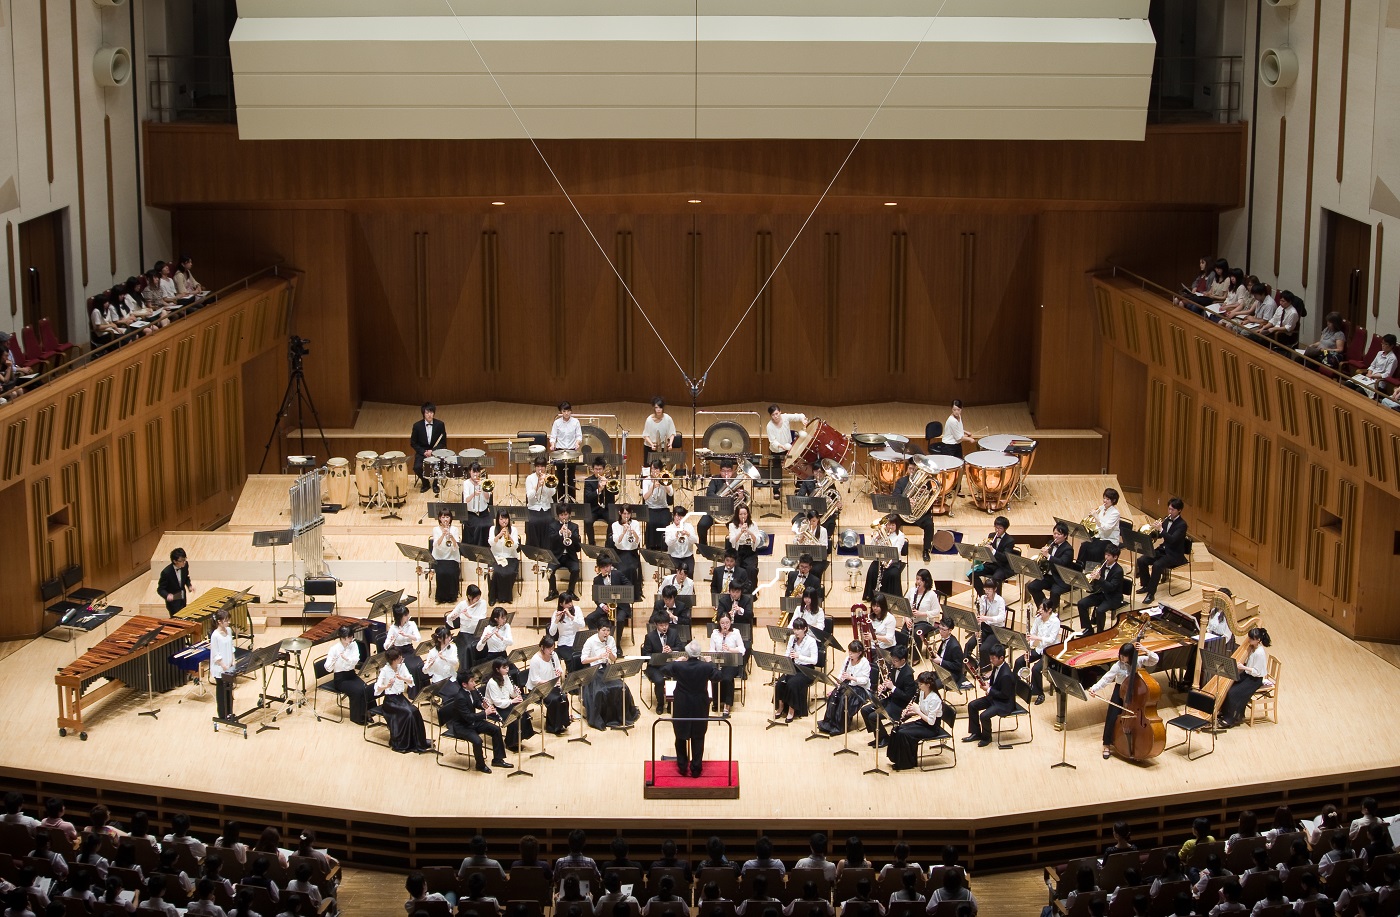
[83, 359]
[729, 756]
[1334, 375]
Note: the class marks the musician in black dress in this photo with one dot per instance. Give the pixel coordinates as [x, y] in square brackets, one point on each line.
[342, 663]
[691, 702]
[790, 691]
[445, 544]
[597, 499]
[918, 720]
[174, 584]
[1000, 699]
[1000, 544]
[564, 543]
[608, 704]
[1058, 553]
[465, 717]
[851, 692]
[893, 694]
[428, 436]
[406, 730]
[1170, 553]
[1252, 673]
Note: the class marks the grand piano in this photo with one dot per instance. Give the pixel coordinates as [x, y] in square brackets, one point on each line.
[1171, 634]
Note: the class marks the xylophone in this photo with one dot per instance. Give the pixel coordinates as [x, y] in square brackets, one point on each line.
[324, 631]
[118, 659]
[202, 609]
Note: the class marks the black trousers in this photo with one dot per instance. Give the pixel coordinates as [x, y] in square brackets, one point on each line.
[775, 472]
[565, 563]
[223, 695]
[1037, 588]
[658, 687]
[925, 524]
[1110, 720]
[1094, 609]
[1150, 571]
[867, 713]
[1037, 663]
[980, 713]
[473, 734]
[690, 744]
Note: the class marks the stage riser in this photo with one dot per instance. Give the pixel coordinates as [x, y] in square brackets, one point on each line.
[988, 845]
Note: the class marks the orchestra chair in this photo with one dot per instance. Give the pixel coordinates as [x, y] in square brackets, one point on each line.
[52, 343]
[1015, 715]
[130, 878]
[527, 883]
[323, 681]
[1214, 887]
[942, 742]
[725, 878]
[471, 753]
[1172, 575]
[1198, 714]
[375, 720]
[1122, 905]
[147, 857]
[319, 586]
[933, 435]
[797, 879]
[73, 576]
[1265, 700]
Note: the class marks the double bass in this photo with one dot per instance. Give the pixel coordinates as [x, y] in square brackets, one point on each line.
[1139, 733]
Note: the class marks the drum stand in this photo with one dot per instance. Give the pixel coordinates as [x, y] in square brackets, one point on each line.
[381, 498]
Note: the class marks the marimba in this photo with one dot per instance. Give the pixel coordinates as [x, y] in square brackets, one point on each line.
[202, 609]
[119, 660]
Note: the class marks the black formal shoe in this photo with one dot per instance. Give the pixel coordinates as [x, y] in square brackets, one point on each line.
[1142, 590]
[870, 744]
[423, 489]
[1149, 599]
[1039, 699]
[695, 772]
[984, 743]
[551, 596]
[884, 743]
[502, 763]
[483, 768]
[437, 492]
[970, 738]
[926, 555]
[682, 769]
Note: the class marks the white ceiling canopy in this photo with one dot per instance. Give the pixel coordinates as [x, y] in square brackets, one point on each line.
[994, 69]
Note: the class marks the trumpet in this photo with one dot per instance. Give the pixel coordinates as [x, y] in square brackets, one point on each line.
[551, 480]
[565, 536]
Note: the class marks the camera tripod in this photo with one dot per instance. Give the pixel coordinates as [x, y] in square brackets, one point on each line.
[297, 393]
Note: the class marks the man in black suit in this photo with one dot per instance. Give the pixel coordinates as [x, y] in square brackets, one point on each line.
[429, 435]
[1000, 699]
[713, 489]
[1170, 553]
[902, 691]
[658, 640]
[1057, 553]
[950, 653]
[804, 577]
[1094, 607]
[670, 606]
[725, 573]
[564, 542]
[693, 677]
[1000, 545]
[608, 575]
[736, 603]
[464, 717]
[596, 500]
[925, 522]
[174, 583]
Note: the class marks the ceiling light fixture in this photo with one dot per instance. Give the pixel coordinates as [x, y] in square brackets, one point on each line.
[498, 203]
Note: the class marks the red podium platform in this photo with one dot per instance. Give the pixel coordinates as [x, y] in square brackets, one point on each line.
[717, 780]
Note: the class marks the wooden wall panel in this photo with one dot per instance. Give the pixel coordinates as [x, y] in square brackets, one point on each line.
[100, 488]
[1301, 475]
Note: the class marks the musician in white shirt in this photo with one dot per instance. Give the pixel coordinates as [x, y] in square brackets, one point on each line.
[626, 537]
[1131, 658]
[465, 616]
[503, 694]
[445, 545]
[681, 579]
[725, 639]
[808, 530]
[657, 494]
[790, 691]
[747, 540]
[1107, 515]
[495, 640]
[608, 704]
[504, 542]
[880, 577]
[406, 730]
[442, 663]
[564, 626]
[920, 720]
[954, 436]
[403, 633]
[478, 502]
[780, 440]
[924, 612]
[1253, 673]
[221, 659]
[539, 499]
[566, 433]
[659, 431]
[680, 541]
[342, 663]
[546, 665]
[882, 622]
[990, 609]
[810, 611]
[851, 692]
[1043, 631]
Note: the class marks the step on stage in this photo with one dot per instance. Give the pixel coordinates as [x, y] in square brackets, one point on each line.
[717, 780]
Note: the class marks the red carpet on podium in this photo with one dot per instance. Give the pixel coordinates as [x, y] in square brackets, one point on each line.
[717, 780]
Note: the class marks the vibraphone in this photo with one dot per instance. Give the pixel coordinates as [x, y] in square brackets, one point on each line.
[1172, 635]
[119, 660]
[202, 609]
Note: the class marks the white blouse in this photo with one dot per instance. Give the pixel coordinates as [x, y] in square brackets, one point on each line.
[503, 553]
[220, 652]
[392, 680]
[476, 499]
[596, 649]
[443, 549]
[441, 664]
[883, 630]
[680, 539]
[818, 537]
[858, 670]
[806, 650]
[1108, 524]
[627, 537]
[654, 494]
[495, 639]
[993, 609]
[1043, 633]
[343, 658]
[749, 536]
[1257, 664]
[500, 696]
[566, 630]
[815, 618]
[406, 635]
[726, 643]
[682, 588]
[537, 496]
[923, 607]
[542, 670]
[931, 708]
[465, 615]
[1119, 672]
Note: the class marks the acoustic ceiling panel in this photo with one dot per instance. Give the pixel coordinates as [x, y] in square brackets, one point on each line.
[1018, 69]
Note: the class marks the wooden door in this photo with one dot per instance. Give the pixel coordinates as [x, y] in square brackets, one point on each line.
[1347, 257]
[43, 273]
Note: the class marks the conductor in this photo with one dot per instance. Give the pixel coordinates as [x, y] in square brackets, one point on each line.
[693, 676]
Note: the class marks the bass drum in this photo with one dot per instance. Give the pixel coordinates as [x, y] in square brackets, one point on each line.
[337, 485]
[819, 441]
[395, 465]
[366, 474]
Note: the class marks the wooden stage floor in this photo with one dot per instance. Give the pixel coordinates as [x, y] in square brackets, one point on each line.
[785, 777]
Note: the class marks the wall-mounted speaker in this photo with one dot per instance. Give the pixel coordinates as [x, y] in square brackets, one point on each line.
[111, 66]
[1278, 67]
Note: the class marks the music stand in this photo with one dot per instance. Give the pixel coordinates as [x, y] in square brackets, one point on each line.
[620, 671]
[1218, 665]
[712, 554]
[818, 552]
[881, 717]
[419, 556]
[801, 505]
[720, 509]
[779, 634]
[778, 666]
[790, 603]
[1068, 686]
[575, 681]
[974, 553]
[638, 512]
[831, 685]
[597, 553]
[537, 695]
[476, 554]
[671, 458]
[891, 504]
[1076, 528]
[1138, 543]
[544, 560]
[1023, 567]
[1010, 639]
[518, 712]
[273, 539]
[458, 511]
[141, 643]
[883, 553]
[898, 604]
[963, 620]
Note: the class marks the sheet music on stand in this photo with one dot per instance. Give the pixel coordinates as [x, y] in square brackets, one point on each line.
[1076, 530]
[475, 553]
[1072, 578]
[414, 553]
[1023, 566]
[619, 595]
[790, 602]
[710, 553]
[714, 507]
[518, 514]
[881, 552]
[1138, 543]
[887, 504]
[897, 604]
[776, 665]
[818, 552]
[803, 505]
[383, 602]
[1219, 665]
[779, 635]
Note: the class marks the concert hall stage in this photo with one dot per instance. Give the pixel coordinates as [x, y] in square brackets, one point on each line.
[1008, 807]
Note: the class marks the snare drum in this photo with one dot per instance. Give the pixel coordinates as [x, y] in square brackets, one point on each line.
[886, 468]
[395, 465]
[338, 481]
[450, 467]
[945, 470]
[366, 476]
[992, 477]
[819, 441]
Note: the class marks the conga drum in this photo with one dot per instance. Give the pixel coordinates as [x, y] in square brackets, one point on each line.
[366, 474]
[886, 468]
[819, 441]
[945, 470]
[992, 477]
[395, 470]
[338, 481]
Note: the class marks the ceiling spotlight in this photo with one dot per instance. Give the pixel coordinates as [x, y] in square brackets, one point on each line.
[498, 203]
[694, 200]
[891, 203]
